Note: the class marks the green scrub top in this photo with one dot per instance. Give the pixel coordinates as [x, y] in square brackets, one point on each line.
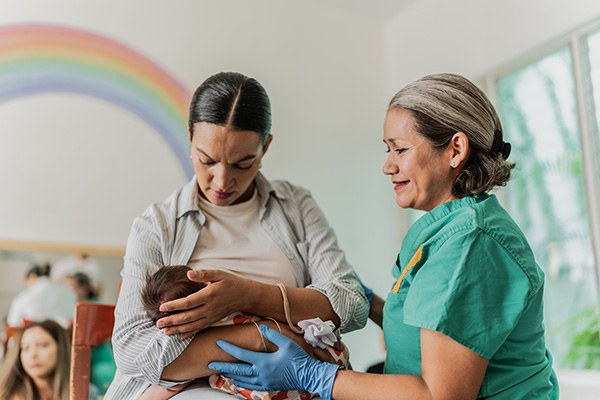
[466, 270]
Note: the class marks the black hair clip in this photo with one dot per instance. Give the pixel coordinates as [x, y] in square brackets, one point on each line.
[499, 146]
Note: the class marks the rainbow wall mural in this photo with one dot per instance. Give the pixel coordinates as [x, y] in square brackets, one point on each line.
[36, 58]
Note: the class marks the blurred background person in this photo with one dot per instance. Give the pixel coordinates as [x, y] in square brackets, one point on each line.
[78, 263]
[37, 367]
[82, 286]
[42, 299]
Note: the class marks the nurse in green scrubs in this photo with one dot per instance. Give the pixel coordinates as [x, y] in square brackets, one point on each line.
[464, 317]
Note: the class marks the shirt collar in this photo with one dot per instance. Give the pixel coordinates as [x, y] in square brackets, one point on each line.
[266, 189]
[429, 220]
[188, 198]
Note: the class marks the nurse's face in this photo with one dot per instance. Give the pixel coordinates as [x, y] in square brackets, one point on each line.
[39, 353]
[421, 175]
[226, 162]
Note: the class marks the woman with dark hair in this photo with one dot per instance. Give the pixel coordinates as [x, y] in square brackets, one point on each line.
[36, 367]
[255, 243]
[82, 286]
[464, 317]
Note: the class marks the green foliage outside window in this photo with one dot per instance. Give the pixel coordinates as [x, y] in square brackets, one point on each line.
[584, 351]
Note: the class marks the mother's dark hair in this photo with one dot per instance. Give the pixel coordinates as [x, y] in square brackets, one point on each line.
[233, 100]
[444, 104]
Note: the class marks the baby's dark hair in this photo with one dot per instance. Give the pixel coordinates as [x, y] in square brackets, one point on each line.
[166, 284]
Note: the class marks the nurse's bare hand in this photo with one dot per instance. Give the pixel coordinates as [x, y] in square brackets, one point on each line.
[223, 295]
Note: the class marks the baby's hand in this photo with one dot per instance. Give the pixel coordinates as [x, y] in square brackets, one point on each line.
[155, 392]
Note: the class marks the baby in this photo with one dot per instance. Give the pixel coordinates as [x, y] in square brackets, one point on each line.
[170, 283]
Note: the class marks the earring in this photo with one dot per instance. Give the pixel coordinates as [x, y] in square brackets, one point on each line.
[260, 164]
[452, 164]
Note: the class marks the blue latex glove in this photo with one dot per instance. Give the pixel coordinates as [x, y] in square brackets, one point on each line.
[289, 368]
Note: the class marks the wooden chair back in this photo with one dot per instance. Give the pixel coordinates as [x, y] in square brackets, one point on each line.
[93, 323]
[9, 332]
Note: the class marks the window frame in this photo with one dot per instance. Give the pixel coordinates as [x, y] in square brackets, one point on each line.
[590, 145]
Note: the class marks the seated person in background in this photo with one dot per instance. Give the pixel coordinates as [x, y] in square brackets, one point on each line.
[102, 368]
[42, 299]
[37, 366]
[170, 283]
[82, 285]
[78, 263]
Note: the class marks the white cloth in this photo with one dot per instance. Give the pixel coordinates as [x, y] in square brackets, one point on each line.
[43, 300]
[167, 233]
[233, 240]
[200, 389]
[318, 333]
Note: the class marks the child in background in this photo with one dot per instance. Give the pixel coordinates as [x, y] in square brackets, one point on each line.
[37, 366]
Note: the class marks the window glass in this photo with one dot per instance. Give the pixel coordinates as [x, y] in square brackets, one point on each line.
[546, 195]
[593, 92]
[593, 45]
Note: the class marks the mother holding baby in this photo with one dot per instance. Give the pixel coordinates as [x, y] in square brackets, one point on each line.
[242, 235]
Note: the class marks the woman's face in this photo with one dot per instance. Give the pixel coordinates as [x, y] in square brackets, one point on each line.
[39, 353]
[421, 174]
[226, 162]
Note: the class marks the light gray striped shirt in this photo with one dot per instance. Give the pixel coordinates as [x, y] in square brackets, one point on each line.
[166, 234]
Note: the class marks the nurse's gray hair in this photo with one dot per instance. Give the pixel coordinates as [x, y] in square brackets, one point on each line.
[444, 104]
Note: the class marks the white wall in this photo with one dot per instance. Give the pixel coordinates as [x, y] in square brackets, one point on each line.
[472, 37]
[76, 170]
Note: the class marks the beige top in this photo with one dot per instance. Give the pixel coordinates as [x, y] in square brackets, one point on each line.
[232, 240]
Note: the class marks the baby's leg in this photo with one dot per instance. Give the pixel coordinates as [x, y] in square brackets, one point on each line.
[155, 392]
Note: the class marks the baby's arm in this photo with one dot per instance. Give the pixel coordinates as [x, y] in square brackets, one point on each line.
[193, 362]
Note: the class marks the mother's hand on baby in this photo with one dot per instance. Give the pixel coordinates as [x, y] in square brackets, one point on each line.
[222, 296]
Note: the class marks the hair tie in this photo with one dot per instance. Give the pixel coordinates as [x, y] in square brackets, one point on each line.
[499, 146]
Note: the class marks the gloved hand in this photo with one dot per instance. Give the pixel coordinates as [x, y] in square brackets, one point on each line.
[289, 368]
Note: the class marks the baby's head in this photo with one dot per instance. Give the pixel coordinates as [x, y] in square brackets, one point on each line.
[166, 284]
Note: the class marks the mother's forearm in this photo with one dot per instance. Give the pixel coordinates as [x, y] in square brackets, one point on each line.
[267, 301]
[193, 362]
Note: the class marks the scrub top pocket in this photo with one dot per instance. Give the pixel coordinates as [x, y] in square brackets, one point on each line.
[403, 342]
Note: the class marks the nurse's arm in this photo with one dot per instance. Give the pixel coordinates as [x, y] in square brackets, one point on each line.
[449, 371]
